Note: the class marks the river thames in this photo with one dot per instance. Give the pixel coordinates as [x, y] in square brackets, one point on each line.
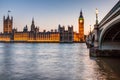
[54, 61]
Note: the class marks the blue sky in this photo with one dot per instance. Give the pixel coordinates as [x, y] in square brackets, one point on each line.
[49, 13]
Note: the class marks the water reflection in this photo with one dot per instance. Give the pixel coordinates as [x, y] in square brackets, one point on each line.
[23, 61]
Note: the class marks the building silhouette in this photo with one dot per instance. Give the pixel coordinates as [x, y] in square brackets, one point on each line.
[11, 34]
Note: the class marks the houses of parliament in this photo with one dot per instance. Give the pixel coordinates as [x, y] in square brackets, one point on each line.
[61, 35]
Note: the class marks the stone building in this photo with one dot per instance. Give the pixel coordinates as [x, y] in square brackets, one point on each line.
[11, 34]
[66, 35]
[7, 23]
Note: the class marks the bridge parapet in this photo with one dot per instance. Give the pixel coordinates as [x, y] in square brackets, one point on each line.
[115, 11]
[105, 37]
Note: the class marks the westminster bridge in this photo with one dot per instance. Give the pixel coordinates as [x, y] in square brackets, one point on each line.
[104, 40]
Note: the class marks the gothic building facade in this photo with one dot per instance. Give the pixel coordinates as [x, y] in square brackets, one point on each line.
[81, 27]
[11, 34]
[66, 35]
[7, 23]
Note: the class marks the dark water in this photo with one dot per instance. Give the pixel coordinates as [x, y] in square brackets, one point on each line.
[23, 61]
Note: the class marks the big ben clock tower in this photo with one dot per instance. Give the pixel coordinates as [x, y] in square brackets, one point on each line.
[81, 27]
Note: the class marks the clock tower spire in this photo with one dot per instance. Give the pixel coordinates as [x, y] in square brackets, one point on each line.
[81, 14]
[81, 27]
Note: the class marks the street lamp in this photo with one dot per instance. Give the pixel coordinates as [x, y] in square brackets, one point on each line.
[96, 16]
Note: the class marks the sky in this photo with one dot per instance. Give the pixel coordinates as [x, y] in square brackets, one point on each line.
[48, 14]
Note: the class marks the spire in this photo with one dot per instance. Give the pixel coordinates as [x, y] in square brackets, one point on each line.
[3, 18]
[8, 14]
[32, 25]
[8, 17]
[32, 20]
[26, 26]
[81, 14]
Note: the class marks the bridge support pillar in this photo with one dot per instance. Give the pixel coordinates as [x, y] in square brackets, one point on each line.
[96, 31]
[95, 52]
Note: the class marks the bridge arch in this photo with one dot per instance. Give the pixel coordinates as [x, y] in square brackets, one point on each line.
[110, 36]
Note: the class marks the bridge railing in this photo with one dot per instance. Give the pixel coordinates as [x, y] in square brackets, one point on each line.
[111, 12]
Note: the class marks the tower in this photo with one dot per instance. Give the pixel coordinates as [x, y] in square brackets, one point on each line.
[33, 26]
[7, 24]
[70, 33]
[25, 29]
[81, 26]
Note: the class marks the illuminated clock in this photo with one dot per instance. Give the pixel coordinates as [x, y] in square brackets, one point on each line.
[81, 21]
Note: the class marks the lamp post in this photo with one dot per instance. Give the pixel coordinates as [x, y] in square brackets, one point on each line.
[96, 16]
[96, 30]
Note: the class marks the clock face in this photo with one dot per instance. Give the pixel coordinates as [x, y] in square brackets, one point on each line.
[81, 21]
